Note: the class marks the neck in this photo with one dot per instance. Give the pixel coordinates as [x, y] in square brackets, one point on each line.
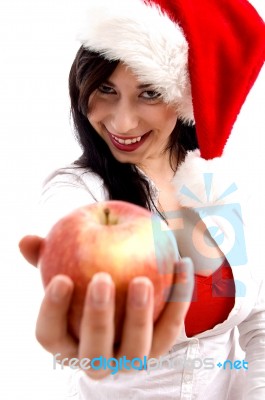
[159, 170]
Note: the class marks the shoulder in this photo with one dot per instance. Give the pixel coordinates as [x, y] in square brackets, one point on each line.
[74, 178]
[66, 189]
[73, 175]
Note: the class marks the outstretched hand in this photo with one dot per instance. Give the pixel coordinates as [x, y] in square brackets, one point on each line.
[97, 326]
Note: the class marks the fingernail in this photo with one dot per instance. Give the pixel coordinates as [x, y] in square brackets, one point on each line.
[139, 292]
[181, 291]
[59, 289]
[184, 268]
[100, 289]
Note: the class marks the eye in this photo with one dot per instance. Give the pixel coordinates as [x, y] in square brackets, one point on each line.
[106, 89]
[151, 95]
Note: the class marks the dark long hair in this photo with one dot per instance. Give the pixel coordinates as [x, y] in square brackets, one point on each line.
[122, 180]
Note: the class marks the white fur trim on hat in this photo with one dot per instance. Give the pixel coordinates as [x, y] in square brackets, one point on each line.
[201, 183]
[145, 39]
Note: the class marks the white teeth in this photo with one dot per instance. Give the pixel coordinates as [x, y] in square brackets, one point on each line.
[127, 141]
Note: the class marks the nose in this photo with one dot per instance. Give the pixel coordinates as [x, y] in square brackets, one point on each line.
[124, 117]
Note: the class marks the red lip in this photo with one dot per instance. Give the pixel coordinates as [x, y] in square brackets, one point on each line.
[128, 147]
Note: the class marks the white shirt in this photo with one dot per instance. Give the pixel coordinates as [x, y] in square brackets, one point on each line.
[73, 187]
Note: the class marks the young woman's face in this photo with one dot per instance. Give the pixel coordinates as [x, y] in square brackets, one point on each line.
[131, 118]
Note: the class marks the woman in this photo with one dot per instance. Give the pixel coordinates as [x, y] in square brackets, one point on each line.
[130, 88]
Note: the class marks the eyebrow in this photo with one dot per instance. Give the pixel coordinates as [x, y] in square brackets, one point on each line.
[142, 86]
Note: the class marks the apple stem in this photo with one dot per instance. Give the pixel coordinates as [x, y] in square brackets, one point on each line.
[107, 212]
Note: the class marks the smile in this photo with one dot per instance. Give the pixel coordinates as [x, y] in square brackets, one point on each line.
[127, 141]
[122, 143]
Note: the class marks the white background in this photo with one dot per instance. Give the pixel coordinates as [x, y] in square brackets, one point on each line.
[37, 48]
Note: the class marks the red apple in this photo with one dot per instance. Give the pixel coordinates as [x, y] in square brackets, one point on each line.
[117, 237]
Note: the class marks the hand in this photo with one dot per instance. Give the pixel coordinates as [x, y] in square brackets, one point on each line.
[97, 326]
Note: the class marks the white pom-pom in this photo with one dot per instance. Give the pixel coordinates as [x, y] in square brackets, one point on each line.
[201, 183]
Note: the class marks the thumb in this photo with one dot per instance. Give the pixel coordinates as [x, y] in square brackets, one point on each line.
[29, 247]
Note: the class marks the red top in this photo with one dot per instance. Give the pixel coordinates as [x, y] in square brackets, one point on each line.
[213, 299]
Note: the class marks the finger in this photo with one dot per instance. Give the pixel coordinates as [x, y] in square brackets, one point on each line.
[97, 326]
[51, 327]
[138, 325]
[30, 248]
[170, 323]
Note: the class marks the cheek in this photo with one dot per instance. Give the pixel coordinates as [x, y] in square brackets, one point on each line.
[166, 120]
[93, 115]
[96, 110]
[94, 121]
[96, 117]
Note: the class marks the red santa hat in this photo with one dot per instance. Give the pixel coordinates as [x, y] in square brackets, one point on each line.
[202, 55]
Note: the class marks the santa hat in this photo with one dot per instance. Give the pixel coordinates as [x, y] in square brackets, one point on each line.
[203, 56]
